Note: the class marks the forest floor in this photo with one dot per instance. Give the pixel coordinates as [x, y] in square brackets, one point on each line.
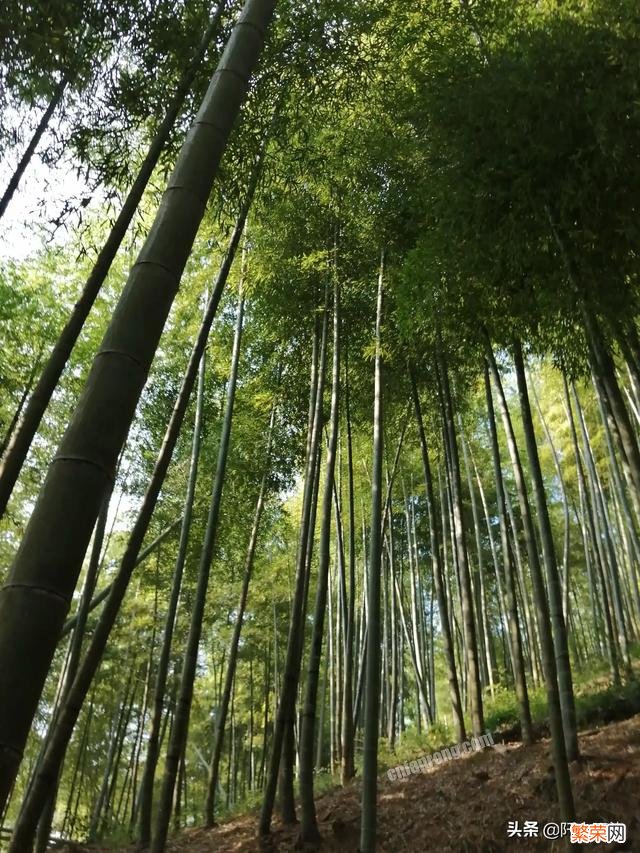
[465, 804]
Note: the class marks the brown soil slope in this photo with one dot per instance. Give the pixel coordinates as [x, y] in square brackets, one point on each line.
[465, 805]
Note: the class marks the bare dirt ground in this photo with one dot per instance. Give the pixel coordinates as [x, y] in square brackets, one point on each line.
[465, 805]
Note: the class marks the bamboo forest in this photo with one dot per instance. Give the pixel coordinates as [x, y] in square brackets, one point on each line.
[319, 425]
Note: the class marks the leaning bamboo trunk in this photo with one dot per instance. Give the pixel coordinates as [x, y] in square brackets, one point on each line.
[368, 820]
[286, 707]
[466, 593]
[309, 825]
[558, 746]
[21, 439]
[561, 646]
[436, 566]
[609, 391]
[515, 641]
[607, 557]
[565, 504]
[55, 752]
[588, 535]
[178, 738]
[97, 600]
[43, 124]
[292, 724]
[117, 729]
[347, 729]
[75, 648]
[36, 597]
[292, 666]
[482, 631]
[396, 664]
[153, 742]
[15, 418]
[71, 810]
[223, 705]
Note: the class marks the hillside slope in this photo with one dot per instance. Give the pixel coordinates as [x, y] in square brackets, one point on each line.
[466, 804]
